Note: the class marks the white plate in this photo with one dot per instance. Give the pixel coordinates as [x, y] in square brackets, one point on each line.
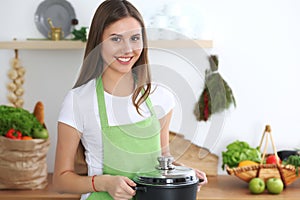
[60, 12]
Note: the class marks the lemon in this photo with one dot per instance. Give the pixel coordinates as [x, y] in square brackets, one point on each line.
[247, 163]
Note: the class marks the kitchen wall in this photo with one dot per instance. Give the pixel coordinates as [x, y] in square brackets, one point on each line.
[257, 43]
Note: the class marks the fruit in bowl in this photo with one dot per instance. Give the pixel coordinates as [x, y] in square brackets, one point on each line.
[272, 159]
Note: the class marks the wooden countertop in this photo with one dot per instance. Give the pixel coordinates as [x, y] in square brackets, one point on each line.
[47, 193]
[228, 187]
[219, 187]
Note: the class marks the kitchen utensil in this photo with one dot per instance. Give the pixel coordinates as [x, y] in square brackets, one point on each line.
[60, 12]
[167, 182]
[56, 33]
[284, 154]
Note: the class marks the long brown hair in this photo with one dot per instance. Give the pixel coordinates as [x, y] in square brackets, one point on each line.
[107, 13]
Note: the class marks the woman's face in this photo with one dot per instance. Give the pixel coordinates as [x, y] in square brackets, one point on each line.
[122, 45]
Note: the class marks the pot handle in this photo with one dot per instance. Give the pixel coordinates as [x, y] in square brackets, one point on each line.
[201, 180]
[140, 188]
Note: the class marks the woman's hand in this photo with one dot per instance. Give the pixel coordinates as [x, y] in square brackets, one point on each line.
[201, 175]
[119, 187]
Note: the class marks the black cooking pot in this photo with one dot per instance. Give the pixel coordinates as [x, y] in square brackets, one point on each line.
[284, 154]
[167, 182]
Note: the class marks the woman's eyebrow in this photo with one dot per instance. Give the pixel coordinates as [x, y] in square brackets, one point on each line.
[120, 35]
[115, 34]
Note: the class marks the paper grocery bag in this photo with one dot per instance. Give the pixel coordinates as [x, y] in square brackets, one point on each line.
[23, 163]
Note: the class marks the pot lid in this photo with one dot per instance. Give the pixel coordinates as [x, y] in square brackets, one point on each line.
[167, 174]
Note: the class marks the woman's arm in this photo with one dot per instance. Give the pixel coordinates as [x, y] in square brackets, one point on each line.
[64, 177]
[66, 180]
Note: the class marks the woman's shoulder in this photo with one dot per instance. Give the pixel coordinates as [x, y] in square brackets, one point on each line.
[162, 97]
[81, 92]
[83, 89]
[161, 91]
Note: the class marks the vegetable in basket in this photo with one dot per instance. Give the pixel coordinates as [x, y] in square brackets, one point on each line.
[14, 134]
[239, 151]
[18, 119]
[294, 160]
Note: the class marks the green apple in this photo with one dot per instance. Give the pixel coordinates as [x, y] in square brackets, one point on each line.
[275, 185]
[257, 186]
[40, 133]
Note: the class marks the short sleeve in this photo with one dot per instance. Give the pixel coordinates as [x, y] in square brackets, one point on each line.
[163, 100]
[67, 113]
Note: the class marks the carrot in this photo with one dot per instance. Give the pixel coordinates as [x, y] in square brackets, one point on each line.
[26, 138]
[39, 112]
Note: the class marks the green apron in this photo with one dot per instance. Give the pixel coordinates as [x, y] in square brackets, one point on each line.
[127, 149]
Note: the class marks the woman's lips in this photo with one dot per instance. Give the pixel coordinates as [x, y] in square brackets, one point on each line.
[124, 60]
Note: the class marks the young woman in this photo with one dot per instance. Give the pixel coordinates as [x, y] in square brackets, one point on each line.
[112, 110]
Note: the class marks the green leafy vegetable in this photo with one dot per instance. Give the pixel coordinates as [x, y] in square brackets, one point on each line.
[239, 151]
[293, 160]
[80, 34]
[18, 119]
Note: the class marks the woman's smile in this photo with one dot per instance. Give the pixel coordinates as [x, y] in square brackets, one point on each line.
[124, 60]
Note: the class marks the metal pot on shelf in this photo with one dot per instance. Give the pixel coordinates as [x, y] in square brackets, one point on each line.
[167, 182]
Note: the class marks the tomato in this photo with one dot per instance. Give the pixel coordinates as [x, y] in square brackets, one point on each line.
[272, 159]
[41, 133]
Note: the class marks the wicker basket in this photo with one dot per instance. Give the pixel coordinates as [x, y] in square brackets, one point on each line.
[287, 173]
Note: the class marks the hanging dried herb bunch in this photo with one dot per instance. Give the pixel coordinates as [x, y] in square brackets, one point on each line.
[216, 95]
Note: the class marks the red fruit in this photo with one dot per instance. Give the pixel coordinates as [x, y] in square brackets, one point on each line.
[272, 159]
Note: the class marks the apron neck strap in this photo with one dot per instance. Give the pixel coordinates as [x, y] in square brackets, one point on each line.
[101, 102]
[102, 107]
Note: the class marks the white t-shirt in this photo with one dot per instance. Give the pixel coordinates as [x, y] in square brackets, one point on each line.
[80, 110]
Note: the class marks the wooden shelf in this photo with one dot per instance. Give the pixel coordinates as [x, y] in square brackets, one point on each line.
[69, 44]
[180, 43]
[42, 44]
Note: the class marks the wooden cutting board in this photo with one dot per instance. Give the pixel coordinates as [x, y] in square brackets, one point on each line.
[192, 155]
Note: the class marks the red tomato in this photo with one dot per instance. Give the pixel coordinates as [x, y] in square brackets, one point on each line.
[271, 159]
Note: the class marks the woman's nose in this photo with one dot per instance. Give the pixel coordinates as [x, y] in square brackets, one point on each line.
[127, 47]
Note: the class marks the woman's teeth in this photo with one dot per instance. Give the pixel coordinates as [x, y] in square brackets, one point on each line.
[124, 59]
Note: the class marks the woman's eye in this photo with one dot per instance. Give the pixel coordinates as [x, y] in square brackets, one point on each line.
[116, 39]
[136, 38]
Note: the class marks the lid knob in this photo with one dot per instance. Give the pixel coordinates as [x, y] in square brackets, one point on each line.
[165, 163]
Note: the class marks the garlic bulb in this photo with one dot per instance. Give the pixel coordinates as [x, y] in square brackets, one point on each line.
[12, 97]
[19, 81]
[15, 87]
[15, 63]
[11, 86]
[19, 91]
[12, 74]
[21, 71]
[19, 103]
